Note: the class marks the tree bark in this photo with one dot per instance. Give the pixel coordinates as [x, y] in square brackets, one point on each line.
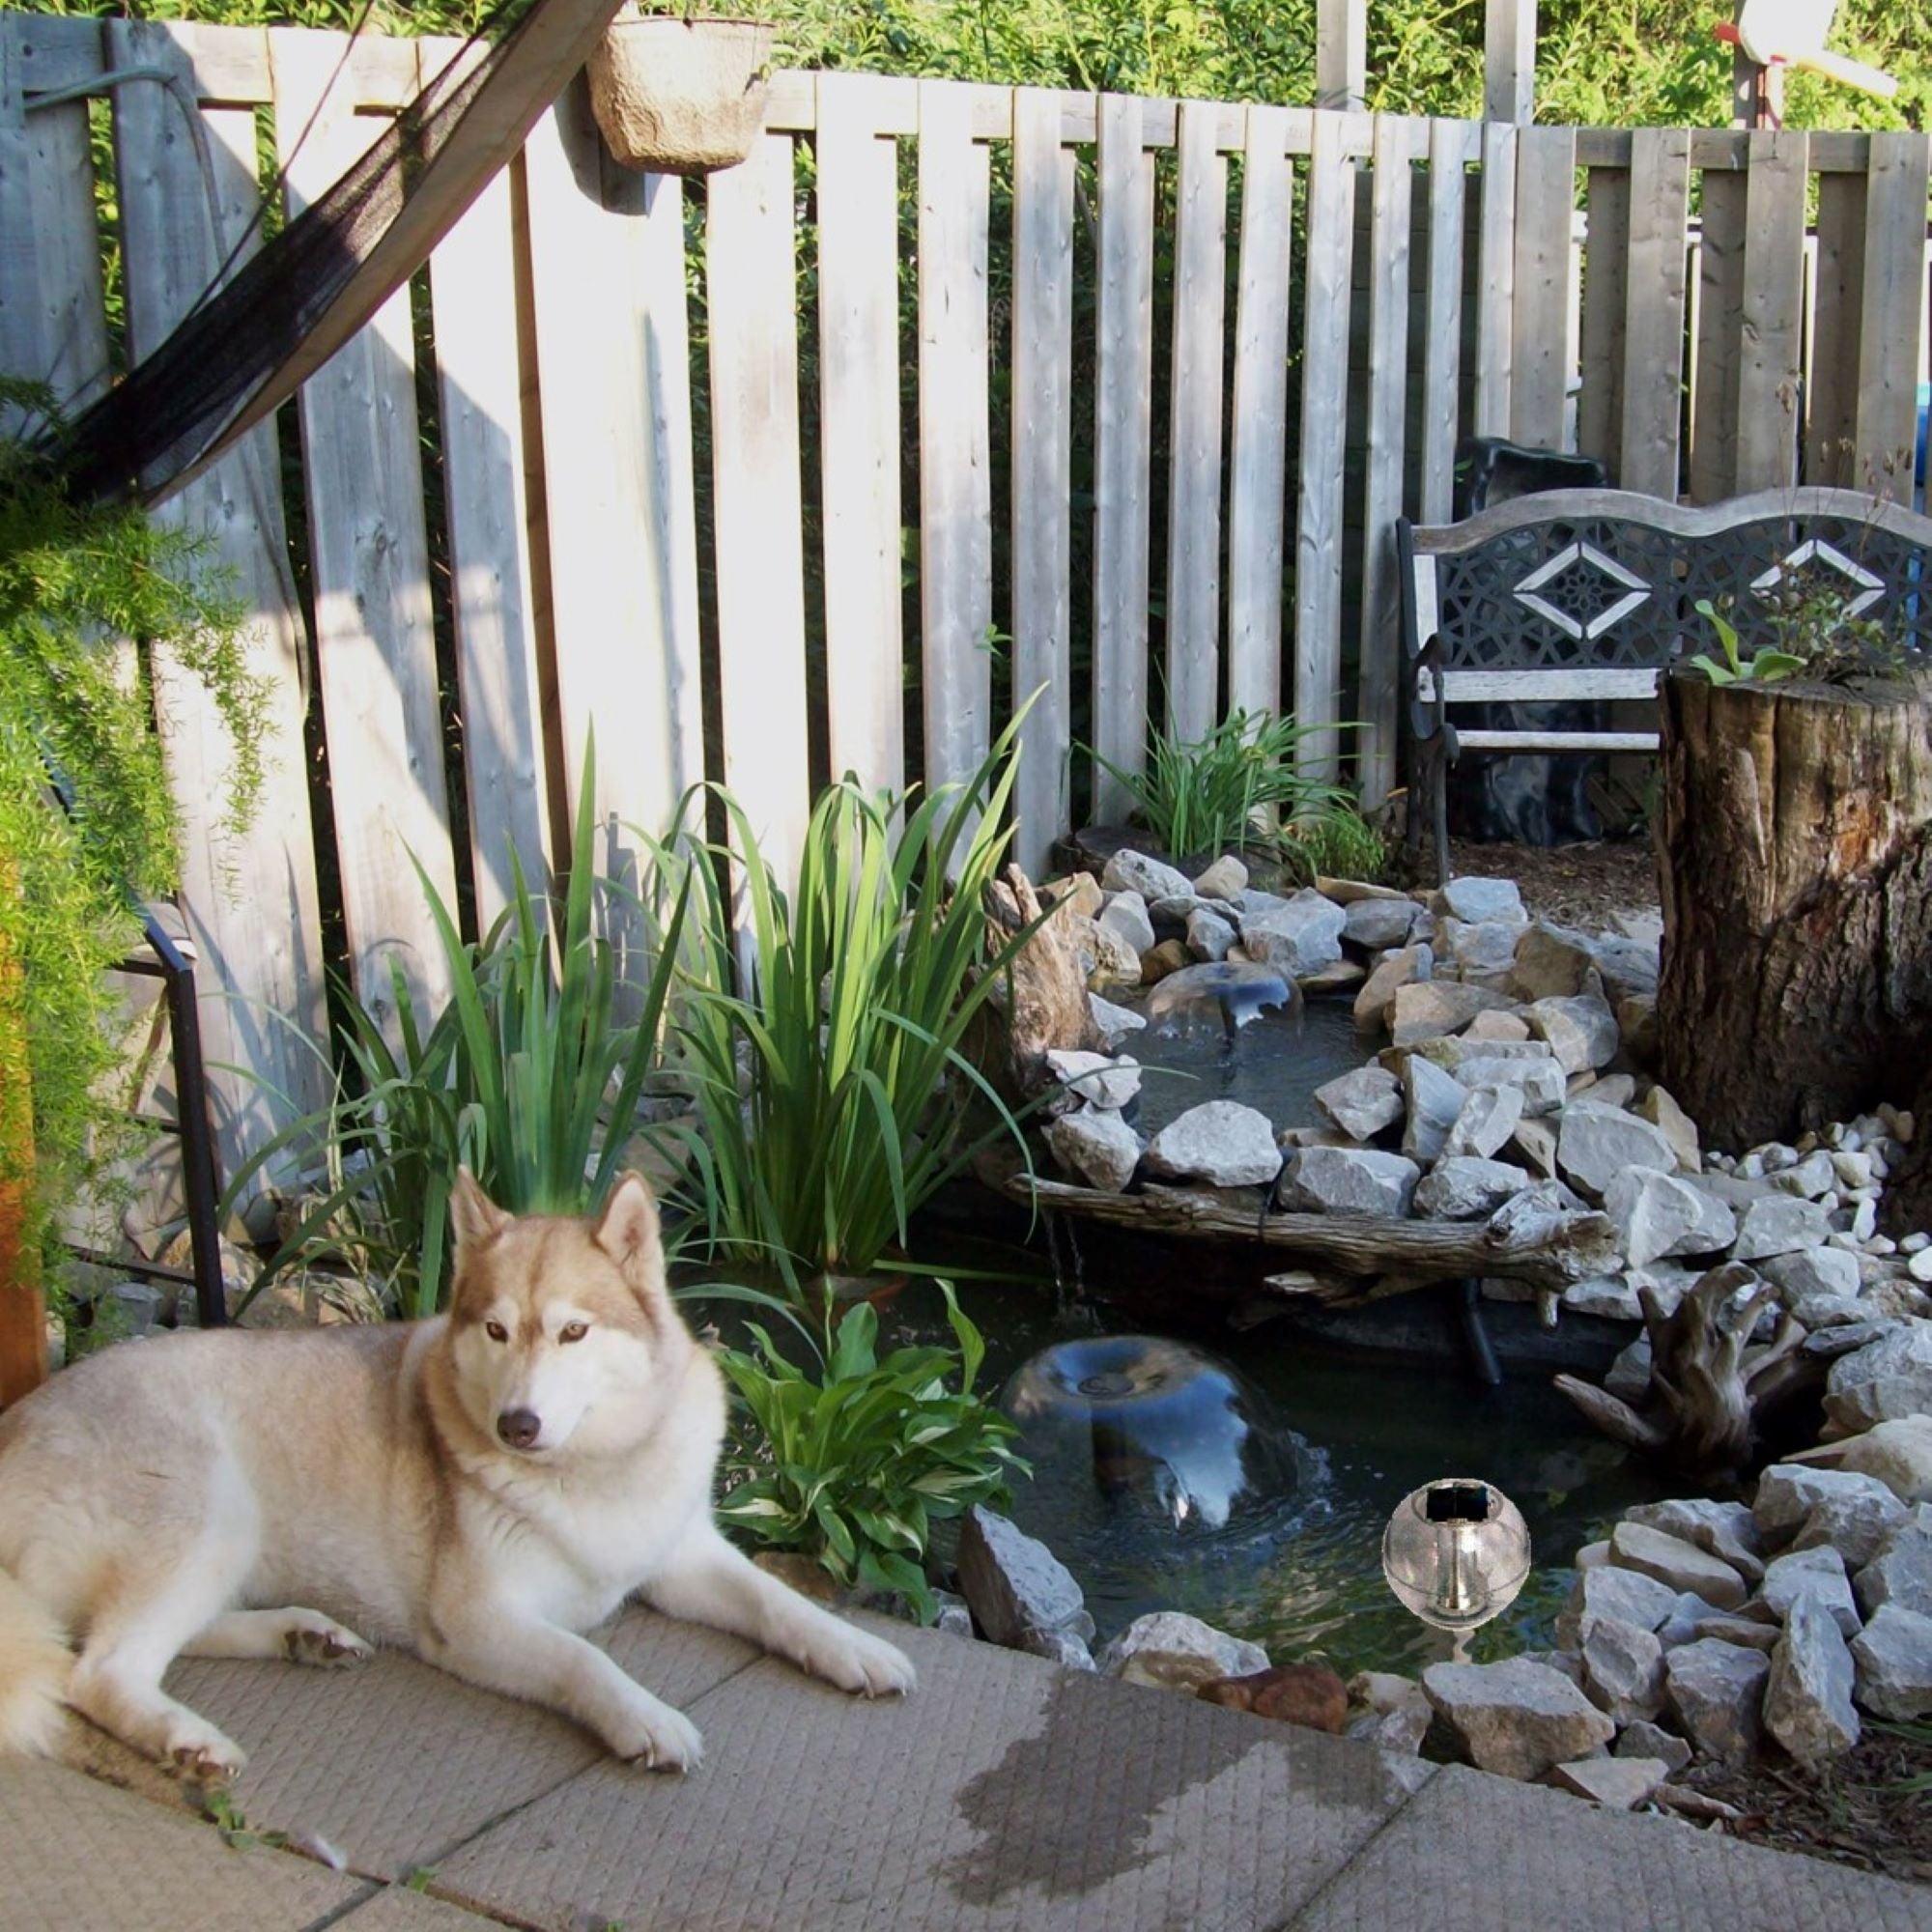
[1795, 844]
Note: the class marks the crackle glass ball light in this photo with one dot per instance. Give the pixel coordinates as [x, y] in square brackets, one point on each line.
[1456, 1551]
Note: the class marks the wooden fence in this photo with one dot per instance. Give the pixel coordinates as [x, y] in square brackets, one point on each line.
[1318, 304]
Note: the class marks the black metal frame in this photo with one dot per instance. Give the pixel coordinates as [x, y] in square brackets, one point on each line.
[201, 1174]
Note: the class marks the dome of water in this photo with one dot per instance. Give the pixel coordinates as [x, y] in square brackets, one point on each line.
[1230, 992]
[1127, 1429]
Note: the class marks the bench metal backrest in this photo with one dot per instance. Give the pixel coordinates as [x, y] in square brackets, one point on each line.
[1589, 593]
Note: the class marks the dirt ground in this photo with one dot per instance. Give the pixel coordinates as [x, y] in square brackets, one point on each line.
[1586, 885]
[1849, 1813]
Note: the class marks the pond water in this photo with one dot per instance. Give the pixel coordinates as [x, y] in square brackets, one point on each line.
[1338, 1438]
[1273, 1064]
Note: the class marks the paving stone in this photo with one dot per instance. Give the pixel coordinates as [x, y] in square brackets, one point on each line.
[1004, 1793]
[1807, 1698]
[1716, 1691]
[1517, 1717]
[79, 1855]
[1893, 1656]
[1617, 1783]
[1478, 1854]
[1681, 1565]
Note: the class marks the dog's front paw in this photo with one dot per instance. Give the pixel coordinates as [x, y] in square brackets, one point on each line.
[858, 1662]
[652, 1733]
[196, 1749]
[325, 1643]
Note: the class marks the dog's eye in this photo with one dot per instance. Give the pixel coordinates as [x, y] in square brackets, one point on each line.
[573, 1331]
[495, 1331]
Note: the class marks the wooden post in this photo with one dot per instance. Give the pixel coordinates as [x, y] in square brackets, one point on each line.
[1341, 53]
[1509, 61]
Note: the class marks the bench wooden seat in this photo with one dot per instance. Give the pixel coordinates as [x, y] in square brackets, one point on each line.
[1588, 594]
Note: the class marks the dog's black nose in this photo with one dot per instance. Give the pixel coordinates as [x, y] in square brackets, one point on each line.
[519, 1427]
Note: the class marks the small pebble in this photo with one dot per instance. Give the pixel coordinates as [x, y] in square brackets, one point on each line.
[1902, 1127]
[1880, 1166]
[1888, 1114]
[1849, 1140]
[1868, 1128]
[1830, 1201]
[1881, 1245]
[1777, 1157]
[1751, 1167]
[1807, 1144]
[1841, 1237]
[1920, 1267]
[1912, 1243]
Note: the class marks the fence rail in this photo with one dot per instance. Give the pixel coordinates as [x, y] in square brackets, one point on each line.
[1133, 388]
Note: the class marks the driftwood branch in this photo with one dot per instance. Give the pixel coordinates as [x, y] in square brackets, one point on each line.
[1707, 1386]
[1549, 1250]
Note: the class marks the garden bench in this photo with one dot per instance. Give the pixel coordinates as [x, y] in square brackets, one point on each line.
[1588, 594]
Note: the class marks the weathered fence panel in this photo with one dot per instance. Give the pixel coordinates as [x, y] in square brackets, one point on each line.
[610, 568]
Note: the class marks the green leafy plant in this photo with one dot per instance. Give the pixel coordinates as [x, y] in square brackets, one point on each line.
[1336, 844]
[831, 1093]
[530, 1075]
[1765, 666]
[1224, 789]
[88, 594]
[853, 1467]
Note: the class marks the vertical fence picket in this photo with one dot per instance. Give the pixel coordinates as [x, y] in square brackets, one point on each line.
[1042, 401]
[1452, 146]
[1831, 395]
[251, 901]
[750, 274]
[1770, 321]
[613, 364]
[1496, 279]
[1599, 397]
[1382, 502]
[1540, 285]
[859, 388]
[1122, 440]
[1892, 329]
[1194, 487]
[1324, 422]
[1650, 389]
[1258, 483]
[954, 437]
[1714, 396]
[474, 295]
[374, 639]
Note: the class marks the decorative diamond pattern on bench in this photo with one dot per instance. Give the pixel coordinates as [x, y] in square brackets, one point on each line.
[1582, 594]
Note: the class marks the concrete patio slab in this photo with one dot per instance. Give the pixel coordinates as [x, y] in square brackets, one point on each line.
[1004, 1793]
[1472, 1853]
[76, 1855]
[397, 1908]
[392, 1762]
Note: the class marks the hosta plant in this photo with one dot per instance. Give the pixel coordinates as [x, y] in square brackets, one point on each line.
[853, 1467]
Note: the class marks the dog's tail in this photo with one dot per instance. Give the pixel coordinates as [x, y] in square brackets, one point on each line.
[35, 1663]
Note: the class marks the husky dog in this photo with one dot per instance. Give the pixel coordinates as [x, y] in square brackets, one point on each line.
[478, 1488]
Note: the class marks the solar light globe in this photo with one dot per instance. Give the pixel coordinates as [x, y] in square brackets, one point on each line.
[1456, 1552]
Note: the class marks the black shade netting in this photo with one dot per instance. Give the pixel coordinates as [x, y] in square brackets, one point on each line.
[173, 408]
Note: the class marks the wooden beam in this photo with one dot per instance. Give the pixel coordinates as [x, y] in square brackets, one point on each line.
[1509, 61]
[1341, 53]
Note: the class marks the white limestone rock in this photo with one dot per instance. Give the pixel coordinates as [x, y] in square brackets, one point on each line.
[1298, 938]
[1348, 1181]
[1811, 1271]
[1097, 1148]
[1728, 1530]
[1776, 1224]
[1582, 1029]
[1379, 924]
[1100, 1079]
[1221, 1142]
[1681, 1565]
[1210, 936]
[1819, 1573]
[1594, 1145]
[1431, 1102]
[1612, 1593]
[1539, 1080]
[1475, 899]
[1129, 871]
[1464, 1187]
[1899, 1572]
[1616, 1783]
[1362, 1101]
[1893, 1659]
[1807, 1698]
[1658, 1215]
[1623, 1671]
[1126, 917]
[1715, 1691]
[1376, 1000]
[1652, 1741]
[1662, 1112]
[1428, 1008]
[1890, 1378]
[1115, 1023]
[1517, 1717]
[1167, 1651]
[1485, 1121]
[1224, 879]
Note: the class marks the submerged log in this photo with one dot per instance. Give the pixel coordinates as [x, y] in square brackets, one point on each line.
[1795, 841]
[1354, 1259]
[1707, 1386]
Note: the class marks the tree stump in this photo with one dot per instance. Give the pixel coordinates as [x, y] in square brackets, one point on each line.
[1795, 843]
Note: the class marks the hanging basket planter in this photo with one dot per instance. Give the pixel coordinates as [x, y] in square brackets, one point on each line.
[681, 96]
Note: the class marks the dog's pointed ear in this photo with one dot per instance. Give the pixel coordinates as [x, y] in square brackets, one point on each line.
[473, 1214]
[628, 1232]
